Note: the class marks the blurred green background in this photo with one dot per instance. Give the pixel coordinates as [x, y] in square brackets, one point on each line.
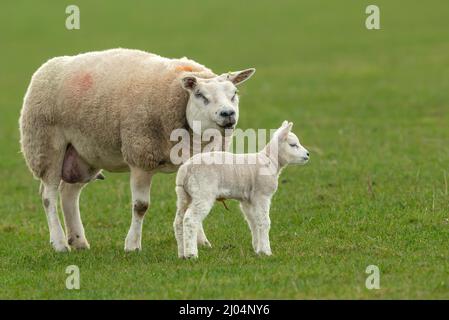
[371, 106]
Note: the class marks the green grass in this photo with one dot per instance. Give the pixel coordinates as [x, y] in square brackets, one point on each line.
[372, 107]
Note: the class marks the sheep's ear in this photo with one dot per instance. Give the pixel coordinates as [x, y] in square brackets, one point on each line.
[282, 132]
[237, 77]
[189, 83]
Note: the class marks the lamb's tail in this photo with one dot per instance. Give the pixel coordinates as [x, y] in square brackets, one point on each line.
[181, 176]
[181, 192]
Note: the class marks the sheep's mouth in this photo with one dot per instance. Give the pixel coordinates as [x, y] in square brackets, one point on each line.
[227, 126]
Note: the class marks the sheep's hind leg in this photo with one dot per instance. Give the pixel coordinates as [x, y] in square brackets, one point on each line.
[262, 218]
[49, 199]
[50, 180]
[75, 174]
[250, 218]
[182, 203]
[70, 194]
[140, 189]
[193, 217]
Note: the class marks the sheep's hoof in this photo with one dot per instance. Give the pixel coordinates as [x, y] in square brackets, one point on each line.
[82, 247]
[132, 243]
[132, 249]
[132, 246]
[191, 256]
[60, 246]
[264, 253]
[78, 243]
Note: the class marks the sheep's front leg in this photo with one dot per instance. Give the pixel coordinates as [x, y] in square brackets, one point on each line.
[193, 218]
[140, 189]
[262, 219]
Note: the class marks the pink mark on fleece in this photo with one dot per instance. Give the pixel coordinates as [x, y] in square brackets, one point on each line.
[85, 81]
[81, 82]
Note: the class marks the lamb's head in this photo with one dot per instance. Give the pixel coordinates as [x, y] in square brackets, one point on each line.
[214, 102]
[290, 151]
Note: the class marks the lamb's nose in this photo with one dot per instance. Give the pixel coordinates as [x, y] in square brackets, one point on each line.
[308, 154]
[228, 113]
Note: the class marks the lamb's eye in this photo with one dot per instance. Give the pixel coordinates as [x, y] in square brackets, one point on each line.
[233, 97]
[294, 145]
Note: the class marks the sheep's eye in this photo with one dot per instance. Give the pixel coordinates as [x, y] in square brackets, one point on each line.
[294, 145]
[233, 97]
[199, 95]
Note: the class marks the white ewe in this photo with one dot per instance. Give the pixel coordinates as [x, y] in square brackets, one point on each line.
[251, 179]
[115, 110]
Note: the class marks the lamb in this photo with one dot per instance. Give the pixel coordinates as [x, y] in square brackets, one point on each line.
[115, 110]
[251, 179]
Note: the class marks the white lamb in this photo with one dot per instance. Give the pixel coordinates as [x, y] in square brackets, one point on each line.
[251, 179]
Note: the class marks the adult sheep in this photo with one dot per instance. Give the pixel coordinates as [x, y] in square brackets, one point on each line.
[115, 110]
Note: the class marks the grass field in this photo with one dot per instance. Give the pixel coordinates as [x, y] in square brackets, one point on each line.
[371, 106]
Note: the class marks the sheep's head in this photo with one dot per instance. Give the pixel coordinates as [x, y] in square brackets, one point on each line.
[290, 150]
[214, 102]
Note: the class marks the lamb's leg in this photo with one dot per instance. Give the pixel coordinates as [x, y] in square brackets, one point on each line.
[49, 199]
[70, 194]
[140, 189]
[201, 237]
[193, 217]
[261, 207]
[183, 201]
[250, 218]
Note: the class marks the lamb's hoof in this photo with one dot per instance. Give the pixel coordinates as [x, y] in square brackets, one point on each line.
[60, 246]
[78, 243]
[191, 256]
[205, 243]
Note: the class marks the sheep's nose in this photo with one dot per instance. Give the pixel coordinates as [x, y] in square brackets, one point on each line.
[227, 113]
[306, 157]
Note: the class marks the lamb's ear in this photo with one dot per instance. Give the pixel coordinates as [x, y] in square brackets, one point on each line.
[189, 83]
[238, 77]
[282, 132]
